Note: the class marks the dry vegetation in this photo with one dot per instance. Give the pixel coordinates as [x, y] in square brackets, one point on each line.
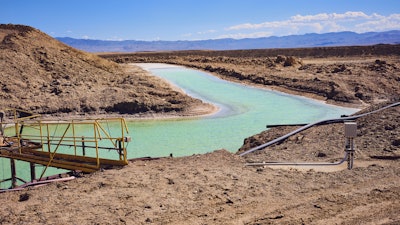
[218, 188]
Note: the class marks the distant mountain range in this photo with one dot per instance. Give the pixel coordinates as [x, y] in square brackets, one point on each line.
[292, 41]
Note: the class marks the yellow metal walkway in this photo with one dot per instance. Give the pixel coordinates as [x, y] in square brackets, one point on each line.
[81, 145]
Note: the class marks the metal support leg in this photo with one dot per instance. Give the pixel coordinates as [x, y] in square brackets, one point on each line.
[350, 152]
[83, 146]
[13, 174]
[33, 172]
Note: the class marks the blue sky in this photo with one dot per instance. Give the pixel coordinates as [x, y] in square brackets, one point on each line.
[199, 19]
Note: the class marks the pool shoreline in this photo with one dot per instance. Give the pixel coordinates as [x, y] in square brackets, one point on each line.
[198, 111]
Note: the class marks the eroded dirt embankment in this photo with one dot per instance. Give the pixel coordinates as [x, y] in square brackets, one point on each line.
[43, 75]
[339, 75]
[213, 188]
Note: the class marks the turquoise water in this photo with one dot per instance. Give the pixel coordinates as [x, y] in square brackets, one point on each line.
[244, 111]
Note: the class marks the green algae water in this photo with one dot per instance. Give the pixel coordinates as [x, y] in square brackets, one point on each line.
[243, 112]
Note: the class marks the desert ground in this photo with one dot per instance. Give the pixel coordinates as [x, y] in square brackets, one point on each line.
[219, 187]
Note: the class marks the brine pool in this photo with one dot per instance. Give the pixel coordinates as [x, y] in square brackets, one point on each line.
[243, 112]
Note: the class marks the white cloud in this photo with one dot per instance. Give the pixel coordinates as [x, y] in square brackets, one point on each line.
[393, 17]
[318, 23]
[246, 35]
[391, 22]
[349, 15]
[330, 16]
[318, 17]
[272, 24]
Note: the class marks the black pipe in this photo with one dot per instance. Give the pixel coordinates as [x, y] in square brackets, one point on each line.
[328, 121]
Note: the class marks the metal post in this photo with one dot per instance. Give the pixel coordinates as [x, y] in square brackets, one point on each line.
[120, 148]
[350, 131]
[13, 174]
[83, 146]
[33, 172]
[350, 153]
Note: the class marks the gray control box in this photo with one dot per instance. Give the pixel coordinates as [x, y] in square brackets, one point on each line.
[350, 129]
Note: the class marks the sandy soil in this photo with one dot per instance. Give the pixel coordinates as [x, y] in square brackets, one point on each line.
[351, 76]
[43, 75]
[215, 188]
[220, 188]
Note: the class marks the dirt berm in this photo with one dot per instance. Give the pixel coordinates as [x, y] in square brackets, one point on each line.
[340, 75]
[41, 74]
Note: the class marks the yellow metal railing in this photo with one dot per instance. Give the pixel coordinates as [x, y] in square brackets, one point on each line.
[53, 138]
